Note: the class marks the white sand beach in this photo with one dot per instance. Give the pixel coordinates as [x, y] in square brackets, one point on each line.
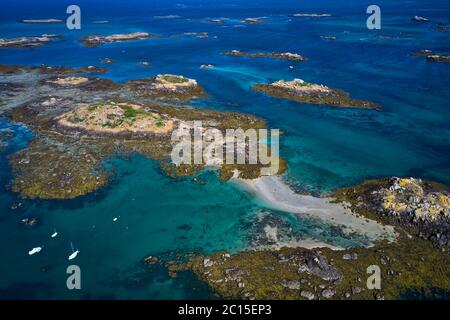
[275, 194]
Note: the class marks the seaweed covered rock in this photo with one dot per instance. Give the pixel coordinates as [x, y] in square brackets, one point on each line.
[423, 206]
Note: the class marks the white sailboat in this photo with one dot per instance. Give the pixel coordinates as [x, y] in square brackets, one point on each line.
[35, 250]
[54, 234]
[74, 252]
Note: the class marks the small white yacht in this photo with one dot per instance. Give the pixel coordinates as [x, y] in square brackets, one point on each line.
[74, 252]
[35, 250]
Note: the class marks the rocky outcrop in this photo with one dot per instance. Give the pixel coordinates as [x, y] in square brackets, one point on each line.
[305, 92]
[312, 15]
[422, 207]
[278, 55]
[439, 58]
[419, 19]
[42, 21]
[432, 56]
[253, 20]
[316, 264]
[166, 86]
[28, 42]
[98, 40]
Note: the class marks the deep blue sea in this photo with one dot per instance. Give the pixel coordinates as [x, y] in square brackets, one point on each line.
[325, 147]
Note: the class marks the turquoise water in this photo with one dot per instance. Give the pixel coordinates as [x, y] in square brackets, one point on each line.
[326, 147]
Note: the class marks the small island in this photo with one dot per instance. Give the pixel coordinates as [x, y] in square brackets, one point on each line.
[431, 56]
[277, 55]
[312, 15]
[98, 40]
[50, 70]
[305, 92]
[42, 21]
[166, 86]
[419, 19]
[439, 58]
[28, 42]
[253, 20]
[216, 21]
[422, 207]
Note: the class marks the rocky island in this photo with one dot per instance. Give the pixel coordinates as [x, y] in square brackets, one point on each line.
[42, 21]
[166, 86]
[419, 19]
[312, 15]
[439, 58]
[28, 42]
[216, 21]
[420, 207]
[432, 56]
[98, 40]
[305, 92]
[277, 55]
[253, 20]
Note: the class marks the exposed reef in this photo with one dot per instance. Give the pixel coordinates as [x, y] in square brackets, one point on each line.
[98, 40]
[305, 92]
[85, 83]
[80, 122]
[278, 55]
[50, 70]
[27, 42]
